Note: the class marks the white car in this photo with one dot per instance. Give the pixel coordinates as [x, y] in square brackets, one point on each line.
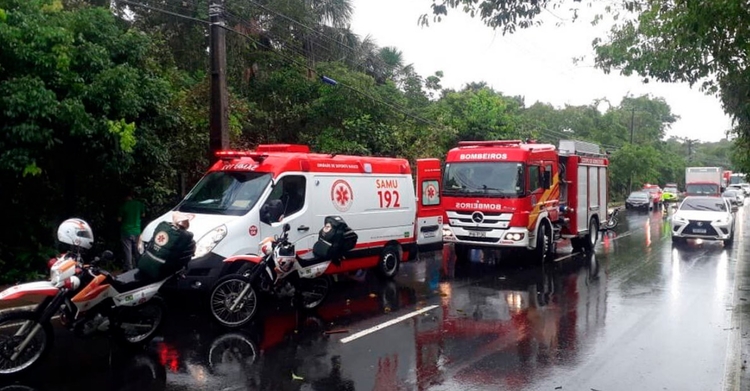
[738, 187]
[703, 218]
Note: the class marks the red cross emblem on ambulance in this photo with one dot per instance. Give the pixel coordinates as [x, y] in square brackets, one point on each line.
[342, 195]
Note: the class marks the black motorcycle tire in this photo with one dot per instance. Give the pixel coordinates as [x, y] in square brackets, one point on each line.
[14, 317]
[612, 223]
[157, 303]
[323, 283]
[218, 304]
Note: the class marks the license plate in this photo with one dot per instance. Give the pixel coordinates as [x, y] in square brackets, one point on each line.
[477, 234]
[430, 234]
[699, 231]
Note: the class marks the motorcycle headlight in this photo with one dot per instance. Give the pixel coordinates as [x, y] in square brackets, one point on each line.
[141, 247]
[209, 241]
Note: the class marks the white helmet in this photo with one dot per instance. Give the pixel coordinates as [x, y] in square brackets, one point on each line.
[285, 257]
[75, 232]
[265, 246]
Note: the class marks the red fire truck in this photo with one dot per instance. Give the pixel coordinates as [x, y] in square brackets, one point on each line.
[523, 195]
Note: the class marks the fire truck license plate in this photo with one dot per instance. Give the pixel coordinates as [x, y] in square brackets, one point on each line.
[699, 231]
[477, 234]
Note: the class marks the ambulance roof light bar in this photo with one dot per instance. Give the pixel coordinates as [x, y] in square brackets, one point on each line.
[488, 143]
[258, 157]
[295, 148]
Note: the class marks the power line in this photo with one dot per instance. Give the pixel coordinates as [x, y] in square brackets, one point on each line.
[324, 36]
[292, 60]
[163, 11]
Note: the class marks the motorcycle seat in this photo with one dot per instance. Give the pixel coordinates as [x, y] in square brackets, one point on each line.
[130, 280]
[309, 259]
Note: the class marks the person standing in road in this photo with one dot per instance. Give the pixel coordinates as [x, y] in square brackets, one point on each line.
[130, 215]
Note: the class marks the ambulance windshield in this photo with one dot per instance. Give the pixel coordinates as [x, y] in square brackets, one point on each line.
[491, 179]
[231, 193]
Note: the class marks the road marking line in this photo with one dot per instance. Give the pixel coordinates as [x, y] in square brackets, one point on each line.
[386, 324]
[564, 257]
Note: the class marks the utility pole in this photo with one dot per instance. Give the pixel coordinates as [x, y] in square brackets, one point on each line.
[689, 150]
[219, 114]
[632, 118]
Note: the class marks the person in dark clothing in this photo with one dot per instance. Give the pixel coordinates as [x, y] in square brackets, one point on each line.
[170, 249]
[284, 201]
[293, 196]
[272, 211]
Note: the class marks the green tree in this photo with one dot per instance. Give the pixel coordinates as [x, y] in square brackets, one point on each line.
[478, 113]
[79, 95]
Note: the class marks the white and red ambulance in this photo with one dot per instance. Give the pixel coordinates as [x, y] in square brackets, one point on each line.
[249, 195]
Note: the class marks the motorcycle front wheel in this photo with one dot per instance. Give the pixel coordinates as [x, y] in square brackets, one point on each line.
[233, 301]
[15, 328]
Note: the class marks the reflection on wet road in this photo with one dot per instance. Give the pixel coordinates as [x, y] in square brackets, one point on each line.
[637, 315]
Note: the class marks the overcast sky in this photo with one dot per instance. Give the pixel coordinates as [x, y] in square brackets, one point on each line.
[535, 63]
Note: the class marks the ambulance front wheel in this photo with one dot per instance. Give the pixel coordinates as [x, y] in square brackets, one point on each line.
[389, 262]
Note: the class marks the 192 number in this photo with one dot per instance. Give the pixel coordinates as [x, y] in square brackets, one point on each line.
[389, 199]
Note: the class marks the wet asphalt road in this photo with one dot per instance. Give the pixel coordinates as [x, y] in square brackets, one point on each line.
[636, 315]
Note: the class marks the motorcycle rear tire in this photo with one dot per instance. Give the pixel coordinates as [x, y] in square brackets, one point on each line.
[322, 284]
[142, 339]
[14, 317]
[225, 290]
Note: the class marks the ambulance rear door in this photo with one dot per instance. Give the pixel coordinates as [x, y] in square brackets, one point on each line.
[429, 209]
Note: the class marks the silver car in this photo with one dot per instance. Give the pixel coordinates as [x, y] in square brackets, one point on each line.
[736, 197]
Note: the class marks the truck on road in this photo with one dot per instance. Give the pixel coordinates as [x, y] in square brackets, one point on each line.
[702, 181]
[509, 194]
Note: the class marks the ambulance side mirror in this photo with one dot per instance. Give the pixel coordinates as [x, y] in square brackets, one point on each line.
[546, 180]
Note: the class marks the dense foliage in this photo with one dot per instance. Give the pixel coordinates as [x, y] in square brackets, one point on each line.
[100, 97]
[701, 42]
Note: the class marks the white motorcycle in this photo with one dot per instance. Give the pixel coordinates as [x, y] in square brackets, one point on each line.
[277, 271]
[88, 300]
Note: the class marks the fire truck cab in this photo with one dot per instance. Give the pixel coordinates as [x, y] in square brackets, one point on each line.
[523, 195]
[249, 195]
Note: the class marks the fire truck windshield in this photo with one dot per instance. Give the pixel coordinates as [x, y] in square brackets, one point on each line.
[490, 179]
[226, 192]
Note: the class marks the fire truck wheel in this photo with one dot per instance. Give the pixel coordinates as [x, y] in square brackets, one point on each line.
[543, 251]
[390, 260]
[589, 241]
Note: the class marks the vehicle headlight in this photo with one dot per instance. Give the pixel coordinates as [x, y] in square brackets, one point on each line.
[678, 219]
[209, 241]
[723, 220]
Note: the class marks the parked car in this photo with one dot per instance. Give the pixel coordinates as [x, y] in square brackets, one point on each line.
[655, 192]
[739, 187]
[639, 200]
[735, 197]
[703, 218]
